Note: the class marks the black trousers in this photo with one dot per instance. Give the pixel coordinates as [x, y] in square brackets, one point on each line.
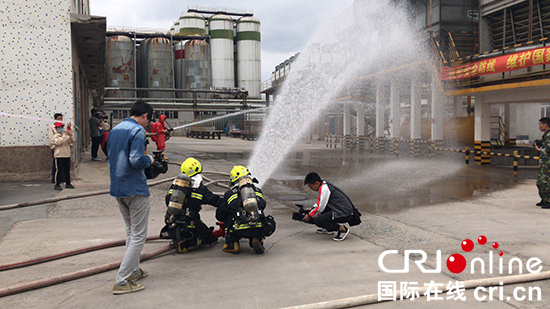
[63, 165]
[54, 170]
[325, 221]
[96, 141]
[234, 236]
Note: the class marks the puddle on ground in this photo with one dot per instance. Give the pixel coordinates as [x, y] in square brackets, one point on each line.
[382, 184]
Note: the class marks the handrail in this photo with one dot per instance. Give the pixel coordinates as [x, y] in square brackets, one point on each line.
[453, 52]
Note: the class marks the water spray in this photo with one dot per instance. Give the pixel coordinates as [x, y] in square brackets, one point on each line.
[331, 67]
[219, 117]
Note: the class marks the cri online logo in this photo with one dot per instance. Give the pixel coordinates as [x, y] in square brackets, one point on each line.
[456, 263]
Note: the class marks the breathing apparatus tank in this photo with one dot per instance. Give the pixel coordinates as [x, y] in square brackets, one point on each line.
[252, 214]
[182, 188]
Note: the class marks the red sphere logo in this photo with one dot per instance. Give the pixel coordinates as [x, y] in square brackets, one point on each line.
[482, 240]
[456, 263]
[467, 245]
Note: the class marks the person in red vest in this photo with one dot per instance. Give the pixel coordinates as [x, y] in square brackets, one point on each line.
[160, 128]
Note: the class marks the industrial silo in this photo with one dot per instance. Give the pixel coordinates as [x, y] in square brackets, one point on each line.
[179, 67]
[221, 42]
[191, 24]
[120, 66]
[197, 67]
[155, 67]
[249, 68]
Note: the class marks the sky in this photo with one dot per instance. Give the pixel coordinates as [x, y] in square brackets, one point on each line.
[286, 25]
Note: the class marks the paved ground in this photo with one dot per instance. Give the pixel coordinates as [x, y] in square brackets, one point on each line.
[299, 267]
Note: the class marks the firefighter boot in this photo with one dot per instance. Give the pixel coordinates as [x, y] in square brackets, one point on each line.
[257, 246]
[232, 248]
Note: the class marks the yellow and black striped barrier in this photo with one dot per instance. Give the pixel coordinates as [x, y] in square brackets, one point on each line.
[515, 155]
[378, 144]
[516, 163]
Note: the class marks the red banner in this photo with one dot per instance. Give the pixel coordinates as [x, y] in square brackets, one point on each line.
[498, 64]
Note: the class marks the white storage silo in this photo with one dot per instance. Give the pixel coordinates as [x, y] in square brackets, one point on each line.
[191, 24]
[222, 50]
[249, 67]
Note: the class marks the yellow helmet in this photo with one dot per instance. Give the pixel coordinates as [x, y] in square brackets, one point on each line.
[237, 172]
[191, 167]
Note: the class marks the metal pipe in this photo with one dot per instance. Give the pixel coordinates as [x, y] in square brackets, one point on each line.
[513, 28]
[135, 65]
[235, 91]
[540, 20]
[504, 30]
[530, 22]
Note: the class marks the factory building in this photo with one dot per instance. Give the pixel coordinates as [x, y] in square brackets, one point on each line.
[208, 63]
[52, 62]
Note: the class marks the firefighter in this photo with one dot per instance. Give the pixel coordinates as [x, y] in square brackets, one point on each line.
[186, 227]
[242, 213]
[159, 127]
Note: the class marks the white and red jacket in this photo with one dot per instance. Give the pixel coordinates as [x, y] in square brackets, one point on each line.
[334, 199]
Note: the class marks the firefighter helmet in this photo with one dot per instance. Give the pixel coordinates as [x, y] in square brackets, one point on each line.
[191, 167]
[237, 172]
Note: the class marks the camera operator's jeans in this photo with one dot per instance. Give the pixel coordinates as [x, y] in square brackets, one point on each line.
[325, 221]
[96, 141]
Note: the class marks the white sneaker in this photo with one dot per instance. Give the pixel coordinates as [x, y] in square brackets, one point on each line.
[341, 235]
[324, 231]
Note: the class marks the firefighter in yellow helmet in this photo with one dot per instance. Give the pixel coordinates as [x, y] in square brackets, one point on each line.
[187, 229]
[242, 212]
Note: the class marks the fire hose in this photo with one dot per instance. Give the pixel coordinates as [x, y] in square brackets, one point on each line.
[469, 284]
[100, 192]
[44, 259]
[23, 287]
[85, 272]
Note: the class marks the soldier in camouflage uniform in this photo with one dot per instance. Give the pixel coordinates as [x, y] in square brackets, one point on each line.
[543, 180]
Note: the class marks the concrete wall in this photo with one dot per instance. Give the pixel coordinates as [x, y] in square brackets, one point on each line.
[36, 65]
[528, 116]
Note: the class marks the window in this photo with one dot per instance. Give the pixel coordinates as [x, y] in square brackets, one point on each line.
[544, 110]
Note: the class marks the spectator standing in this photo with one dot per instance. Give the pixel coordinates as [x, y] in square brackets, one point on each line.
[51, 131]
[127, 161]
[62, 140]
[105, 128]
[95, 133]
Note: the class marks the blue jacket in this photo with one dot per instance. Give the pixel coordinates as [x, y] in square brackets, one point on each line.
[127, 159]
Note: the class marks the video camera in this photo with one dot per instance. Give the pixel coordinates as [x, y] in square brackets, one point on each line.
[160, 166]
[298, 216]
[100, 115]
[538, 143]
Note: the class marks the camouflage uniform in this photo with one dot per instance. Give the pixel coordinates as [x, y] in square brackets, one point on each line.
[543, 180]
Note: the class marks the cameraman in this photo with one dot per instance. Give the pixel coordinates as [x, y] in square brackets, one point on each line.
[95, 133]
[127, 161]
[332, 210]
[543, 180]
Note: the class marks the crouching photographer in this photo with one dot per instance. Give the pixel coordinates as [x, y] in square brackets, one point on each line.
[332, 210]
